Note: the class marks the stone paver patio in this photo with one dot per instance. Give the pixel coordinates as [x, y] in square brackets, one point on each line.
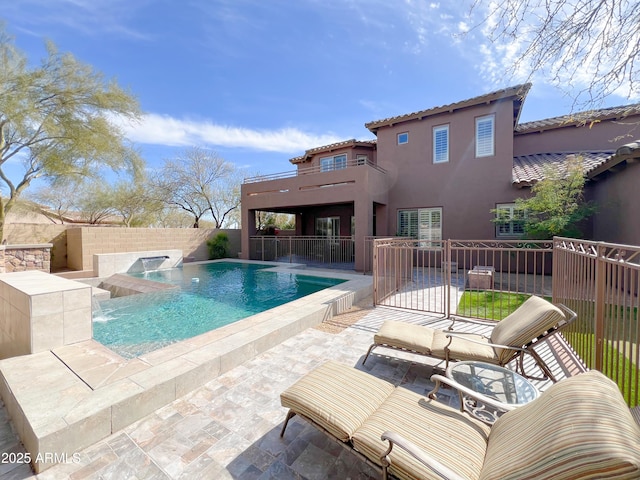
[229, 428]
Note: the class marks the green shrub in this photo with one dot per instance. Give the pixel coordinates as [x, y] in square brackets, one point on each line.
[218, 246]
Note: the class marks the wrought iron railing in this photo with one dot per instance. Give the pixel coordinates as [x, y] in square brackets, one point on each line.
[489, 279]
[475, 278]
[351, 163]
[600, 281]
[335, 252]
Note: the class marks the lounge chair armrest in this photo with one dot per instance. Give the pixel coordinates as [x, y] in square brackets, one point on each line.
[438, 379]
[479, 321]
[476, 321]
[420, 455]
[494, 345]
[570, 314]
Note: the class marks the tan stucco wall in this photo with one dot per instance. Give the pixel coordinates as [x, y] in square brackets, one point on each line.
[466, 187]
[84, 242]
[618, 205]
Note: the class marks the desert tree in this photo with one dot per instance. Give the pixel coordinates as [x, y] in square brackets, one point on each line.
[171, 217]
[589, 48]
[281, 221]
[54, 200]
[224, 204]
[134, 202]
[93, 202]
[557, 206]
[56, 119]
[199, 182]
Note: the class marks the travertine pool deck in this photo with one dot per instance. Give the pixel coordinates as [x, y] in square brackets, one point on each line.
[229, 428]
[68, 398]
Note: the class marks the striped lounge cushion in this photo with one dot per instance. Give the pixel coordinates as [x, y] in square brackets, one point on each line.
[462, 349]
[416, 338]
[456, 440]
[534, 317]
[580, 428]
[337, 397]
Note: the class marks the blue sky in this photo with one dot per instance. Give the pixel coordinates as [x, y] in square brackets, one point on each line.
[260, 81]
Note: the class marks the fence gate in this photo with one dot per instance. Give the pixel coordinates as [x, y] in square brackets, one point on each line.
[474, 278]
[407, 274]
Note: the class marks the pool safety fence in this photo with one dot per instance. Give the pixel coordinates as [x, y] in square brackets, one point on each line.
[488, 279]
[334, 252]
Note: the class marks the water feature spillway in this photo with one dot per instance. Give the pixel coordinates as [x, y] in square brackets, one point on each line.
[151, 264]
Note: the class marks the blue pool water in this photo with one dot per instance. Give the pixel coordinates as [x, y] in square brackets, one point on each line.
[210, 296]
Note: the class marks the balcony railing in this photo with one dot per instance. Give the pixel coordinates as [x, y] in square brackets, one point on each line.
[350, 163]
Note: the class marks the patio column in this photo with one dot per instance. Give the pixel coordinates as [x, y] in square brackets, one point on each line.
[363, 212]
[248, 229]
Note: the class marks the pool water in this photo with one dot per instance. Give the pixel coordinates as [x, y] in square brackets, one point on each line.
[209, 296]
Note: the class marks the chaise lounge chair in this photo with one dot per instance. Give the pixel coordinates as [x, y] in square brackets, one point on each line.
[580, 428]
[511, 338]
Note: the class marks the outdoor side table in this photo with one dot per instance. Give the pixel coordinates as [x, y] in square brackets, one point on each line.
[493, 381]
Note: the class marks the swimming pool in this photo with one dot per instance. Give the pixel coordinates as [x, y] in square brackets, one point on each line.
[209, 296]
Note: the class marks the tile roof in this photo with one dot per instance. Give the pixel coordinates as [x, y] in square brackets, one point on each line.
[518, 91]
[331, 147]
[625, 153]
[528, 169]
[578, 119]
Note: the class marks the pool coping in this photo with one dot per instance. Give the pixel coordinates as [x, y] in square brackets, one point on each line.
[66, 399]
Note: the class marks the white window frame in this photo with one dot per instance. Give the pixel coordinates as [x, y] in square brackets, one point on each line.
[403, 138]
[440, 156]
[337, 162]
[485, 136]
[362, 159]
[514, 227]
[421, 223]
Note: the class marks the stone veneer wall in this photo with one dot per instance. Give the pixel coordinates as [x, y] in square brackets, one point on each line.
[33, 233]
[84, 242]
[20, 258]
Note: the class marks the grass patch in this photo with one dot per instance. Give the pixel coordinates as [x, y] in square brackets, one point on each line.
[489, 304]
[617, 366]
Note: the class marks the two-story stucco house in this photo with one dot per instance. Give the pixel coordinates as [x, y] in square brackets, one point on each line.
[437, 174]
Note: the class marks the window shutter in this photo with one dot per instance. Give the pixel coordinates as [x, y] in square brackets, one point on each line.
[484, 137]
[441, 144]
[430, 224]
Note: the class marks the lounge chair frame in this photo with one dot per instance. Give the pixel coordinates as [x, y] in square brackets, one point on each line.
[619, 453]
[518, 352]
[396, 439]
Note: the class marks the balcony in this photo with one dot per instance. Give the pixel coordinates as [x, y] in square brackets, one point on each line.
[316, 185]
[351, 163]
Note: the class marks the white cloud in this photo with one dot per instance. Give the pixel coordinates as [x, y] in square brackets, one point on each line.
[156, 129]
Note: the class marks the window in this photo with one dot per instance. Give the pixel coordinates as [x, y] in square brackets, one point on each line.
[328, 227]
[441, 144]
[421, 223]
[403, 138]
[338, 162]
[408, 223]
[509, 220]
[485, 136]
